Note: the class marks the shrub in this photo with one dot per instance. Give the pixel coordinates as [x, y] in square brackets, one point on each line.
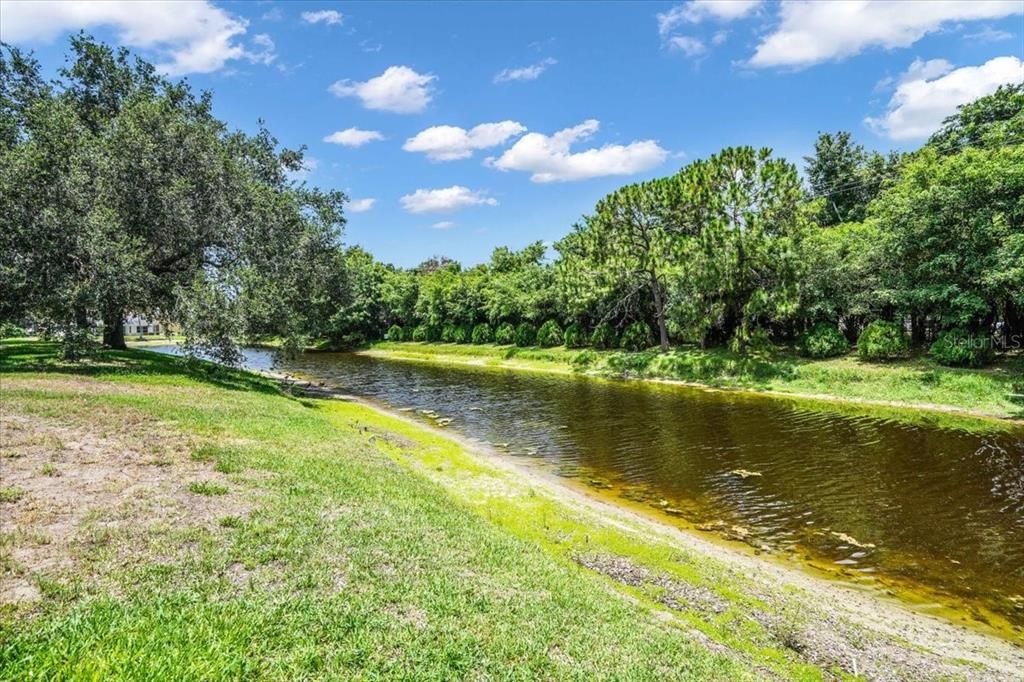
[882, 340]
[823, 341]
[603, 336]
[482, 333]
[462, 333]
[961, 348]
[505, 335]
[9, 330]
[584, 359]
[575, 336]
[549, 334]
[526, 335]
[420, 333]
[637, 336]
[448, 333]
[395, 333]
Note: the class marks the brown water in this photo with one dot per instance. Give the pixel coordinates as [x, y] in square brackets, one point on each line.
[935, 512]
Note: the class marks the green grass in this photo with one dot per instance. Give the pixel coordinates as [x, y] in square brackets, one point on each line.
[916, 382]
[354, 545]
[10, 493]
[207, 488]
[346, 566]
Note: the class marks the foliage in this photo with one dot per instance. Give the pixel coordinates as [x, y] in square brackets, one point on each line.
[124, 190]
[882, 340]
[575, 336]
[9, 330]
[526, 335]
[505, 334]
[961, 348]
[462, 333]
[421, 333]
[823, 341]
[637, 336]
[604, 337]
[395, 333]
[448, 333]
[549, 335]
[844, 178]
[482, 333]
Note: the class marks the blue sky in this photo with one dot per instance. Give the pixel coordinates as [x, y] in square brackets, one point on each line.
[572, 99]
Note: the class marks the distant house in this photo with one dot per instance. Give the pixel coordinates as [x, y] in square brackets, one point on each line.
[136, 325]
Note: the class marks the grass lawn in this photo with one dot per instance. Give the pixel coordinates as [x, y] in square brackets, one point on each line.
[916, 382]
[171, 521]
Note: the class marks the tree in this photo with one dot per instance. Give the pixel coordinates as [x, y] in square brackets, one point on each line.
[627, 247]
[125, 190]
[844, 178]
[993, 119]
[744, 208]
[953, 224]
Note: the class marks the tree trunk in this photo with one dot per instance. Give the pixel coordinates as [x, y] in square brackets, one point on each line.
[659, 310]
[113, 331]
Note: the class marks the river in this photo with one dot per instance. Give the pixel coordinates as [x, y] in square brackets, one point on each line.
[932, 511]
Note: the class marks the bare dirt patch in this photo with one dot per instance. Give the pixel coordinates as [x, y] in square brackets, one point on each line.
[90, 484]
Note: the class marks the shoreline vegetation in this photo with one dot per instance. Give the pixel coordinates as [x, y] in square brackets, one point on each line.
[917, 384]
[255, 533]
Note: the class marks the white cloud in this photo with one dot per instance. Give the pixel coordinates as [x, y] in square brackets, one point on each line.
[719, 37]
[549, 159]
[361, 205]
[326, 16]
[443, 225]
[811, 32]
[697, 11]
[353, 137]
[688, 45]
[448, 143]
[186, 37]
[398, 89]
[266, 50]
[988, 35]
[928, 94]
[445, 200]
[525, 73]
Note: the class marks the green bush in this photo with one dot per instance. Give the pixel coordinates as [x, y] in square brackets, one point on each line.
[637, 336]
[604, 336]
[421, 333]
[448, 333]
[549, 335]
[882, 340]
[395, 333]
[10, 330]
[482, 333]
[584, 359]
[823, 341]
[526, 335]
[575, 336]
[505, 334]
[961, 348]
[462, 333]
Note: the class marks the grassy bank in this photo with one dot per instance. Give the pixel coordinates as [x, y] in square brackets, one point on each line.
[917, 382]
[167, 521]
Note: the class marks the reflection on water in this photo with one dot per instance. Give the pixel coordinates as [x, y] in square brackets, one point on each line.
[938, 507]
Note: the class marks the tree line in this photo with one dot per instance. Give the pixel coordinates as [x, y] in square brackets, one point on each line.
[737, 249]
[124, 194]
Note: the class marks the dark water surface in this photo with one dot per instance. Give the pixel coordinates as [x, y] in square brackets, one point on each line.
[934, 510]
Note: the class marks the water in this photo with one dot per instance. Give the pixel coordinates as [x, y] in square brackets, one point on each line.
[933, 512]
